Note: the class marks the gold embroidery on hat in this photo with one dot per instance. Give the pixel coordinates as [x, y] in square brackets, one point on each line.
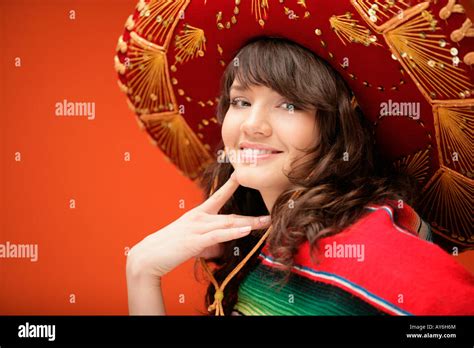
[130, 23]
[450, 8]
[190, 43]
[454, 135]
[130, 105]
[347, 29]
[119, 66]
[446, 204]
[149, 86]
[382, 15]
[121, 45]
[292, 14]
[426, 57]
[178, 141]
[141, 125]
[415, 165]
[148, 77]
[122, 87]
[394, 86]
[140, 5]
[158, 19]
[302, 3]
[233, 19]
[469, 58]
[259, 8]
[466, 30]
[204, 123]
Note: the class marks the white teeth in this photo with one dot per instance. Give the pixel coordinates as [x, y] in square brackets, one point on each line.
[254, 152]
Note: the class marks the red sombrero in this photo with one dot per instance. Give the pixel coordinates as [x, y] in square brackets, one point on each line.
[400, 57]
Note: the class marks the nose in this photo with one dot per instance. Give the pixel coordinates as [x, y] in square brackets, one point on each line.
[257, 122]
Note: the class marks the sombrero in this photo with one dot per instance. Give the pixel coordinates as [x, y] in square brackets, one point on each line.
[409, 63]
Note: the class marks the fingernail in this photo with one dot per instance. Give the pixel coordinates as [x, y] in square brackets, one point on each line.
[245, 229]
[265, 219]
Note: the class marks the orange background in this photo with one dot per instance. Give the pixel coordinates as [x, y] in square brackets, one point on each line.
[81, 250]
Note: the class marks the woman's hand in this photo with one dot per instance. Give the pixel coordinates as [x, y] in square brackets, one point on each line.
[199, 232]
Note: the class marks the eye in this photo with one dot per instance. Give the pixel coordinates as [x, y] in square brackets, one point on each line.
[239, 103]
[290, 106]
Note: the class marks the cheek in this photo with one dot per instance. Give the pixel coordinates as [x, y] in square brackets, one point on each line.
[230, 130]
[298, 134]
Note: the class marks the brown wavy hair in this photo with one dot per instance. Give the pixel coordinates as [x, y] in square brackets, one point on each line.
[333, 191]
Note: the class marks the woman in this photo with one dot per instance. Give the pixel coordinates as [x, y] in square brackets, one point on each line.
[343, 238]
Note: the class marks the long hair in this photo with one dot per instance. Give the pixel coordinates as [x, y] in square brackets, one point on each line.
[335, 179]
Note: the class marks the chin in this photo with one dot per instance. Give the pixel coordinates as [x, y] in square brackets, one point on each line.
[251, 178]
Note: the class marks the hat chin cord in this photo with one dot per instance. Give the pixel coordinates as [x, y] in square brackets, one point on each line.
[219, 294]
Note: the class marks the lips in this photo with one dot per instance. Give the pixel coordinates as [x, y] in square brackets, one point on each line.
[255, 156]
[256, 152]
[258, 148]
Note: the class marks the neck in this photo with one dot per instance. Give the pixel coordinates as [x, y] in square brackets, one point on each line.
[269, 197]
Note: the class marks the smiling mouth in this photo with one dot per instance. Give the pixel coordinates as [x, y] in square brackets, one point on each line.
[258, 152]
[253, 156]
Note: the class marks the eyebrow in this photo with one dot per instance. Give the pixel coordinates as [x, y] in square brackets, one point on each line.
[238, 88]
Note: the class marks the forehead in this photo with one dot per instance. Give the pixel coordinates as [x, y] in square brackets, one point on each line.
[252, 88]
[238, 87]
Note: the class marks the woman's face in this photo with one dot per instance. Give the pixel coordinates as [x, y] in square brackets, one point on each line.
[259, 117]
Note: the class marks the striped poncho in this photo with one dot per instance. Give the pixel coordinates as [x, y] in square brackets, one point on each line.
[384, 264]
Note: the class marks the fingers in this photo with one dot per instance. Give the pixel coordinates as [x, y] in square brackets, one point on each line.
[224, 235]
[229, 221]
[215, 202]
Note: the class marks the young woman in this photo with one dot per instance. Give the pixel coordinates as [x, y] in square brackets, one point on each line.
[298, 157]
